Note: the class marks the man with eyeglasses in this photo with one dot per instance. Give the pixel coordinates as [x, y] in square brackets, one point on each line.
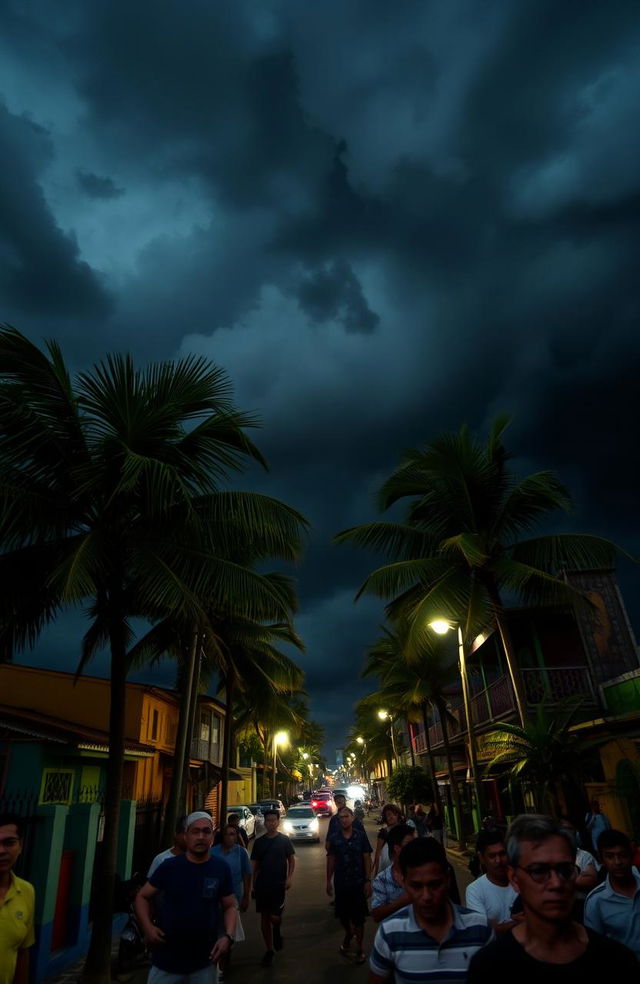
[548, 946]
[613, 908]
[17, 901]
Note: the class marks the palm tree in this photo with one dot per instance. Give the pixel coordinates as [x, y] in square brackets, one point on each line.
[460, 548]
[542, 754]
[413, 684]
[241, 652]
[263, 710]
[111, 496]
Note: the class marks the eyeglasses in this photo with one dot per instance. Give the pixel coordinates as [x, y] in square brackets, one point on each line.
[541, 873]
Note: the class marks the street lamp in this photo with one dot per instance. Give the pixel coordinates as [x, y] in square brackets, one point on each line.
[385, 716]
[441, 626]
[280, 738]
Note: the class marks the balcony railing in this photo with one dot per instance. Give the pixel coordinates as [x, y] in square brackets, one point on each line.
[205, 751]
[542, 685]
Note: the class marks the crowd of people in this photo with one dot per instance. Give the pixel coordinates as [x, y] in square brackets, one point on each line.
[541, 904]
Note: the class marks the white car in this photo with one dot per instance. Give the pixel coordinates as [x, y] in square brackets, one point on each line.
[301, 823]
[247, 819]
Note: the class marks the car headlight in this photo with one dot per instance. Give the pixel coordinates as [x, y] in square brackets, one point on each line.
[314, 825]
[287, 827]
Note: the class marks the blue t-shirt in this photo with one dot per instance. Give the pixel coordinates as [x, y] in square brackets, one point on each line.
[238, 860]
[188, 911]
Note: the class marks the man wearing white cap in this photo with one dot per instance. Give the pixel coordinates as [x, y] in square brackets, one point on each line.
[186, 940]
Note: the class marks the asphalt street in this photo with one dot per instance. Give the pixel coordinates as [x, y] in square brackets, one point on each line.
[311, 933]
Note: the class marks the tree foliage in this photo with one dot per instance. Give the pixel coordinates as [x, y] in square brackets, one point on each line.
[113, 497]
[410, 784]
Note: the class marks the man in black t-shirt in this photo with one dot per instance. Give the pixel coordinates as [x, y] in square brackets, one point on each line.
[548, 945]
[273, 859]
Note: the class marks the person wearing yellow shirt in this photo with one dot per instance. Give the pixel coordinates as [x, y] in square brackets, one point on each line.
[17, 901]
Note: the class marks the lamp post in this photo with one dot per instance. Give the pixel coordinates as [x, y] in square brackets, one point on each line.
[280, 738]
[385, 716]
[441, 627]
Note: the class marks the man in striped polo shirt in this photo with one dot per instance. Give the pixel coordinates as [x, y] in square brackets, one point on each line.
[431, 938]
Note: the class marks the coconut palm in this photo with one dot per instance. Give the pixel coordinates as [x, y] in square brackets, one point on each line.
[238, 650]
[415, 684]
[112, 496]
[465, 544]
[543, 754]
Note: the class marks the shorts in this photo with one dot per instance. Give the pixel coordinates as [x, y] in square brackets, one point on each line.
[207, 975]
[351, 905]
[270, 900]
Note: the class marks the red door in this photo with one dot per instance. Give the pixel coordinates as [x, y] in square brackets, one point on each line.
[60, 936]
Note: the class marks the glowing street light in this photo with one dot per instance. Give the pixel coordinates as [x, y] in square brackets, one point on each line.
[281, 738]
[441, 626]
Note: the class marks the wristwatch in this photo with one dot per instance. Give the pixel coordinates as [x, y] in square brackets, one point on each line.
[230, 938]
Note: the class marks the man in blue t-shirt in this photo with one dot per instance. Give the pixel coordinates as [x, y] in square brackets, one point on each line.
[186, 939]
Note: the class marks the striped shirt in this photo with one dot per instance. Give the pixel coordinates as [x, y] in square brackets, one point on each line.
[404, 951]
[614, 915]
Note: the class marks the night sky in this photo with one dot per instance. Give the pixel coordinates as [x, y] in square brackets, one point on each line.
[383, 219]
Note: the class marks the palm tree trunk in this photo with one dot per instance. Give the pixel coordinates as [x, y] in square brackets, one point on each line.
[191, 720]
[97, 966]
[227, 744]
[442, 710]
[171, 814]
[432, 758]
[509, 652]
[411, 751]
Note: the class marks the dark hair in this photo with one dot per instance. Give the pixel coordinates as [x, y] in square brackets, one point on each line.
[340, 796]
[7, 819]
[397, 834]
[534, 828]
[180, 822]
[488, 837]
[390, 806]
[613, 838]
[233, 816]
[229, 826]
[422, 850]
[345, 809]
[271, 813]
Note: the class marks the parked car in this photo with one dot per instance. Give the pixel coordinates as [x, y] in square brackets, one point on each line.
[273, 804]
[323, 805]
[247, 819]
[258, 816]
[301, 823]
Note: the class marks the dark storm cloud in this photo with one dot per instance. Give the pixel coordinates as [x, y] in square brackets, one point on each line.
[96, 186]
[381, 219]
[41, 271]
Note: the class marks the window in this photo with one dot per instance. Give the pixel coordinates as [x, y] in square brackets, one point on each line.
[205, 726]
[215, 737]
[154, 726]
[57, 786]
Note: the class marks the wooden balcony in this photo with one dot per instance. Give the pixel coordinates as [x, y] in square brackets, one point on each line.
[206, 751]
[542, 685]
